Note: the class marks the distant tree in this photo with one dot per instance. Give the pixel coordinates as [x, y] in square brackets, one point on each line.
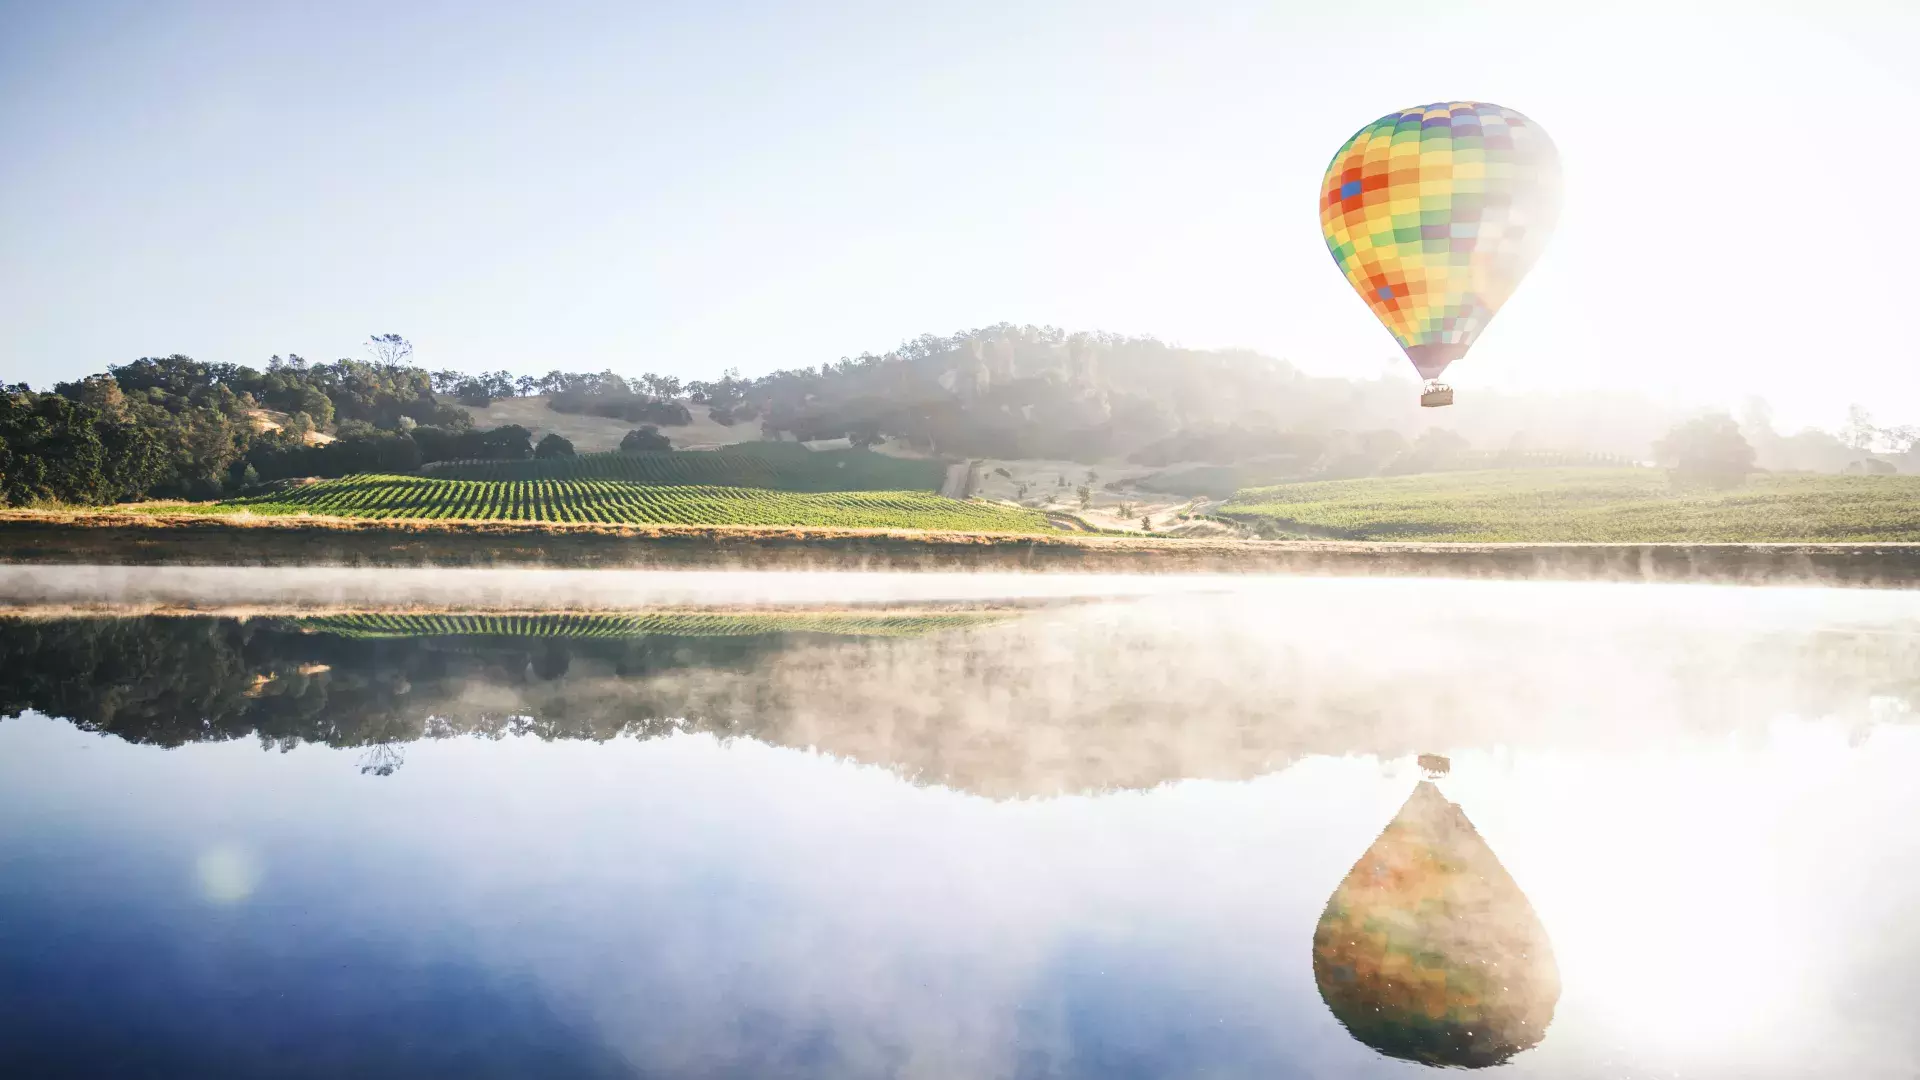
[1859, 433]
[508, 442]
[1146, 523]
[318, 407]
[390, 349]
[525, 385]
[1708, 449]
[474, 392]
[1085, 495]
[553, 446]
[645, 439]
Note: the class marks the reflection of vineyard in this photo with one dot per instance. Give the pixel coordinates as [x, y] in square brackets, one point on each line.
[623, 501]
[661, 624]
[1055, 700]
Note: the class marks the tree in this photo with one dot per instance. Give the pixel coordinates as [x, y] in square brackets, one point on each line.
[645, 439]
[1706, 448]
[390, 349]
[474, 392]
[553, 446]
[525, 385]
[1858, 432]
[55, 453]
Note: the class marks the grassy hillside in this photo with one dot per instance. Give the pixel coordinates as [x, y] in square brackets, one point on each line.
[769, 465]
[593, 433]
[621, 501]
[1580, 505]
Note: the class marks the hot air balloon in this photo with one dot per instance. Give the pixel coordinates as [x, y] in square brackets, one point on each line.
[1434, 214]
[1428, 951]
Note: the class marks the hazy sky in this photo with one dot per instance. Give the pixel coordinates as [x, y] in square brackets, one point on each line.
[687, 187]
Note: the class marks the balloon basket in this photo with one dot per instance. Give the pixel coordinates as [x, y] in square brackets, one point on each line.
[1436, 395]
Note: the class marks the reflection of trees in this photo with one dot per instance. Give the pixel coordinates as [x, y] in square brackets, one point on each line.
[1428, 950]
[1059, 700]
[175, 680]
[383, 759]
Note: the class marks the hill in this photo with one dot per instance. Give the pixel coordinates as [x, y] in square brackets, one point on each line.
[626, 502]
[770, 465]
[1585, 505]
[590, 434]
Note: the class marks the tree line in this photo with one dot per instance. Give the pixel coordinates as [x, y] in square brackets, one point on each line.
[173, 427]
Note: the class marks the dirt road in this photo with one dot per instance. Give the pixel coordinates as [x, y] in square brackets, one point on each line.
[959, 475]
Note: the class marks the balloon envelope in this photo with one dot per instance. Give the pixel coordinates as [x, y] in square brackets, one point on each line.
[1428, 951]
[1434, 214]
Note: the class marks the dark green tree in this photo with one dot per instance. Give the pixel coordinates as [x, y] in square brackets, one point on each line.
[1706, 449]
[645, 439]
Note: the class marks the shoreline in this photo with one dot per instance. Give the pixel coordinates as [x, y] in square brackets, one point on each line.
[150, 539]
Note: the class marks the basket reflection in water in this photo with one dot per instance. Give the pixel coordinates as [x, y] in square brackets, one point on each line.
[1428, 950]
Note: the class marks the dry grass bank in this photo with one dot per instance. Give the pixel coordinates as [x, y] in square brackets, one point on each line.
[163, 538]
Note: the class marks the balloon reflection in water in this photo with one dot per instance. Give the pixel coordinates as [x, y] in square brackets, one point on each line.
[1429, 952]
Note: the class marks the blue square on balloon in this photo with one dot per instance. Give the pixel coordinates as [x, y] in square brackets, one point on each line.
[1349, 189]
[1386, 292]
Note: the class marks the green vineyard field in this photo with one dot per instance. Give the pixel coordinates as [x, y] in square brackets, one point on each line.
[626, 502]
[1586, 506]
[767, 465]
[643, 624]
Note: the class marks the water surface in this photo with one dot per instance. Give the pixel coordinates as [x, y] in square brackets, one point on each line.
[906, 839]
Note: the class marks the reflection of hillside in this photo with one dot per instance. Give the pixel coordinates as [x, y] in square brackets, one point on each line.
[1102, 696]
[1428, 951]
[371, 679]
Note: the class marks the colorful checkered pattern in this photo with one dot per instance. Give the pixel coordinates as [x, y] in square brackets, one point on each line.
[1435, 214]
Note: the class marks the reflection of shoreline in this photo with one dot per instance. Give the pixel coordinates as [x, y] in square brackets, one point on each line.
[30, 612]
[1004, 704]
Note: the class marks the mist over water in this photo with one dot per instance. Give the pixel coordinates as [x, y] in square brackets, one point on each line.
[1090, 839]
[125, 588]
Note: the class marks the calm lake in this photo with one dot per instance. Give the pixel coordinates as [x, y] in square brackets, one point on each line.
[586, 825]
